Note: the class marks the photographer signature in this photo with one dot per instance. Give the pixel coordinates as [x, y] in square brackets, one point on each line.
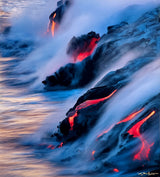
[147, 173]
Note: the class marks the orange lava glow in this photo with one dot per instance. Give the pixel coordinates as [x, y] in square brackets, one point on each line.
[71, 120]
[93, 152]
[51, 147]
[54, 147]
[106, 131]
[93, 102]
[116, 170]
[86, 104]
[135, 131]
[53, 28]
[53, 25]
[60, 145]
[89, 49]
[128, 118]
[131, 116]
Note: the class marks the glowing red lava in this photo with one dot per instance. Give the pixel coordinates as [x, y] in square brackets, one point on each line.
[71, 120]
[93, 102]
[53, 25]
[60, 145]
[106, 131]
[135, 131]
[93, 152]
[51, 147]
[131, 116]
[84, 105]
[128, 118]
[89, 49]
[116, 170]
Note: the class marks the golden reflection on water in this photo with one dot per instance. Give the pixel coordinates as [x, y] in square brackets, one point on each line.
[15, 123]
[21, 114]
[14, 164]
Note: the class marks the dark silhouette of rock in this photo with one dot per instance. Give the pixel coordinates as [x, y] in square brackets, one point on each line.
[114, 28]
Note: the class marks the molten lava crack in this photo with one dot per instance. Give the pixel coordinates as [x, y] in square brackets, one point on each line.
[89, 50]
[135, 131]
[87, 104]
[130, 117]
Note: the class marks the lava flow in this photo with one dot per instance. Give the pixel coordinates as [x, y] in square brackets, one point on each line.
[135, 131]
[52, 25]
[116, 170]
[54, 147]
[128, 118]
[89, 50]
[51, 147]
[60, 145]
[84, 105]
[71, 120]
[93, 152]
[56, 17]
[81, 47]
[92, 102]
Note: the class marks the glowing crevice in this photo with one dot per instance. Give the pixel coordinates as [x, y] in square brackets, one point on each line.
[53, 25]
[135, 131]
[89, 50]
[61, 144]
[116, 170]
[128, 118]
[93, 102]
[85, 105]
[93, 152]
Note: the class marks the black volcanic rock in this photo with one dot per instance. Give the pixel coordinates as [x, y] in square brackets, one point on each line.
[60, 11]
[83, 123]
[114, 28]
[68, 76]
[7, 30]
